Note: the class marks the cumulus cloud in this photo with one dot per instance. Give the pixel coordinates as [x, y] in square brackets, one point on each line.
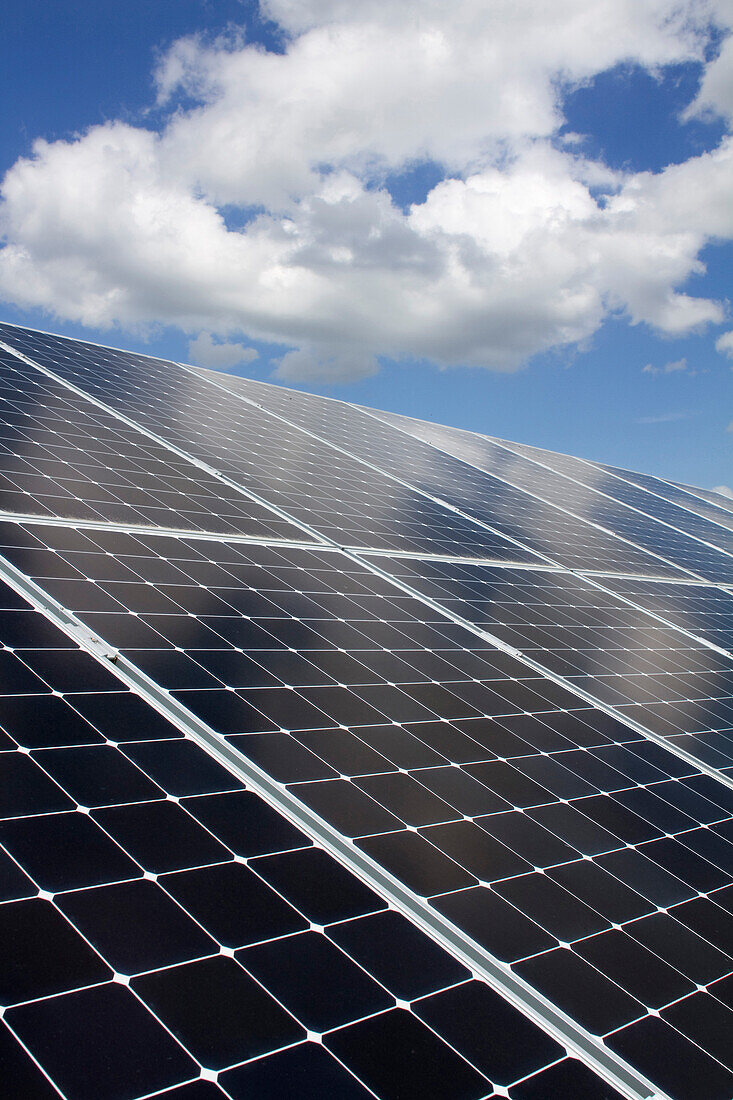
[724, 344]
[524, 246]
[323, 364]
[204, 351]
[724, 491]
[715, 97]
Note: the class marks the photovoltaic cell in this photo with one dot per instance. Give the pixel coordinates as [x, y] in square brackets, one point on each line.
[593, 863]
[648, 671]
[63, 457]
[247, 954]
[333, 494]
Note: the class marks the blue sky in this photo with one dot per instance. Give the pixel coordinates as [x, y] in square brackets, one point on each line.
[530, 240]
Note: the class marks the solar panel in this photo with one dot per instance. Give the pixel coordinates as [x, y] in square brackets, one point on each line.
[514, 507]
[652, 497]
[637, 545]
[332, 493]
[491, 820]
[647, 670]
[721, 502]
[64, 457]
[162, 924]
[691, 542]
[701, 609]
[334, 808]
[693, 500]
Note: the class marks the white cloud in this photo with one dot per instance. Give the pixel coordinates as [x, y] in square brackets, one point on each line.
[675, 367]
[715, 96]
[724, 344]
[511, 255]
[723, 490]
[321, 364]
[204, 351]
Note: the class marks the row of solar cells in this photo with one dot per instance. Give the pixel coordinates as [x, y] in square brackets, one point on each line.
[593, 862]
[282, 448]
[590, 493]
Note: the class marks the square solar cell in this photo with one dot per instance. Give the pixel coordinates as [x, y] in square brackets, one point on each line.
[66, 851]
[307, 1069]
[245, 824]
[417, 1065]
[315, 981]
[317, 885]
[98, 775]
[161, 835]
[27, 789]
[233, 904]
[101, 1040]
[43, 954]
[21, 1075]
[217, 1011]
[399, 956]
[136, 926]
[468, 1013]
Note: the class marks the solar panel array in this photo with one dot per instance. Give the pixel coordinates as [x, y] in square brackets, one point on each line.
[346, 755]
